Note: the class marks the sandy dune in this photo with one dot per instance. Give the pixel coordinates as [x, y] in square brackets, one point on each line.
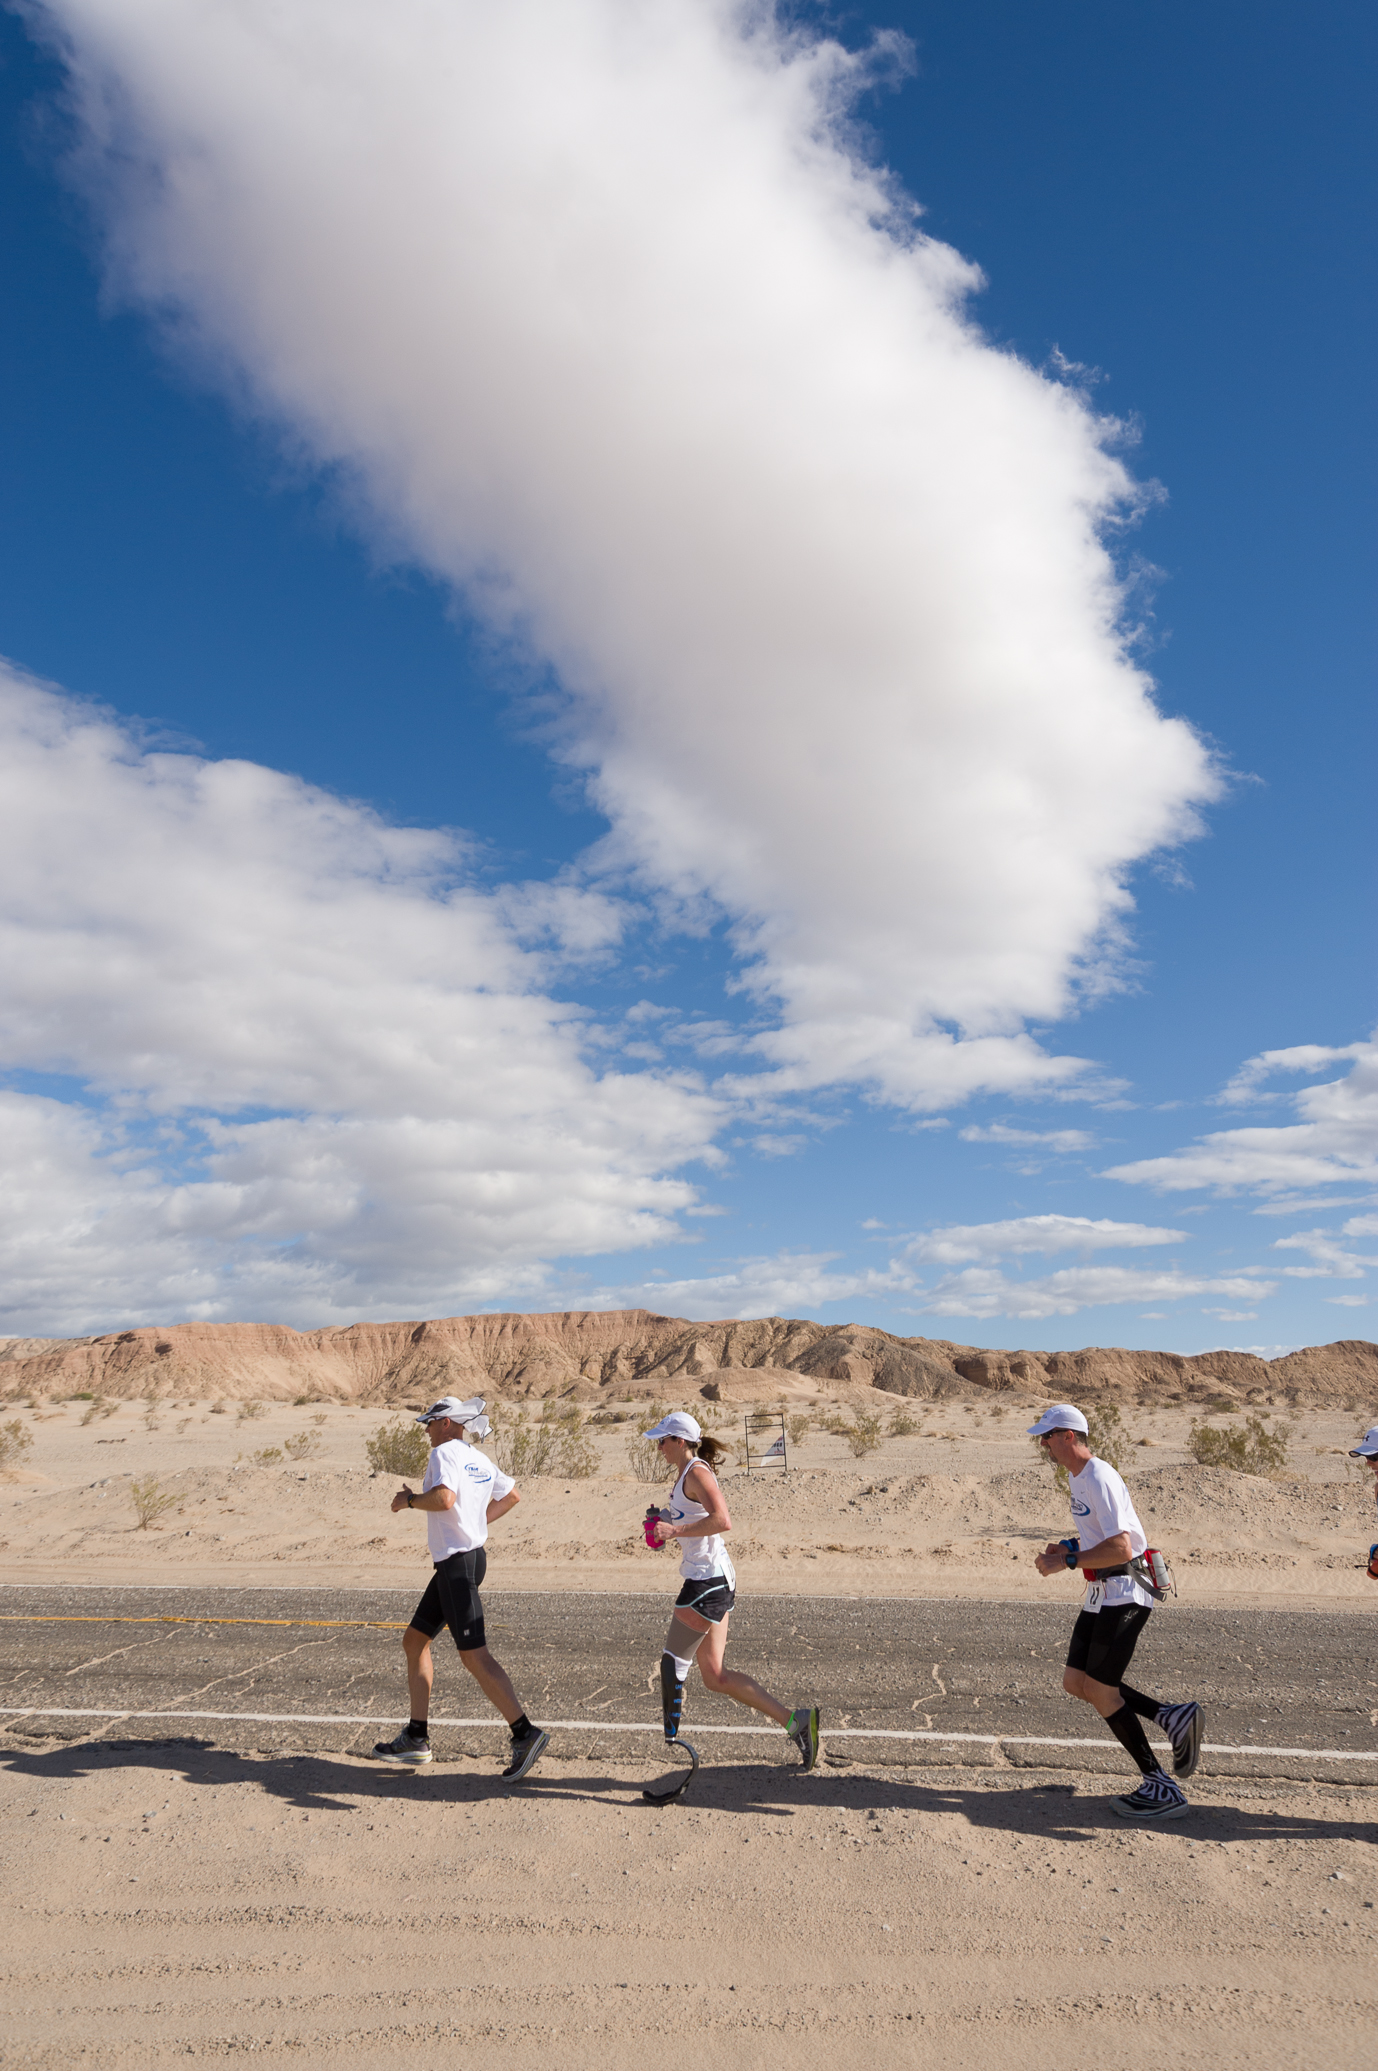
[957, 1508]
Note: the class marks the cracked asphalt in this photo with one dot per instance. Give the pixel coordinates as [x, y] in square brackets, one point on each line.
[1269, 1678]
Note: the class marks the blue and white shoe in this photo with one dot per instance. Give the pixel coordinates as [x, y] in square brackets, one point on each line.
[1185, 1727]
[1157, 1797]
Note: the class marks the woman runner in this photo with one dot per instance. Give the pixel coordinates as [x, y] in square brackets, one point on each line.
[696, 1515]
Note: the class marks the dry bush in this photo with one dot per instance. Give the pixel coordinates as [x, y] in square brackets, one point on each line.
[267, 1456]
[150, 1499]
[644, 1455]
[15, 1442]
[398, 1448]
[556, 1444]
[248, 1412]
[301, 1445]
[217, 1409]
[902, 1425]
[798, 1428]
[318, 1420]
[1248, 1448]
[863, 1433]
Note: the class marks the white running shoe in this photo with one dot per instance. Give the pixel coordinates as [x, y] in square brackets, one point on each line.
[405, 1752]
[1156, 1798]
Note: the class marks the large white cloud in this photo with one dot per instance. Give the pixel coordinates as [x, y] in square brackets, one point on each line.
[1334, 1143]
[596, 315]
[322, 1070]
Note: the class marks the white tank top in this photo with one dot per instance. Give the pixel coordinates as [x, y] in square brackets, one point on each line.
[701, 1558]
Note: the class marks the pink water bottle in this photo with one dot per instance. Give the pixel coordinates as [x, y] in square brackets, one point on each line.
[648, 1522]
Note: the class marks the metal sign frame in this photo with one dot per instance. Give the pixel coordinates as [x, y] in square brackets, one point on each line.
[761, 1458]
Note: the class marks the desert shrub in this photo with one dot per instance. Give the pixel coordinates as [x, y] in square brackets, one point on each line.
[902, 1425]
[318, 1419]
[217, 1409]
[248, 1411]
[15, 1442]
[398, 1448]
[556, 1444]
[267, 1456]
[150, 1499]
[643, 1454]
[1248, 1448]
[93, 1409]
[863, 1433]
[301, 1445]
[798, 1428]
[1106, 1436]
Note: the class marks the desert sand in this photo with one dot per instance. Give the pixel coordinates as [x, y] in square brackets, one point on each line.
[171, 1899]
[958, 1507]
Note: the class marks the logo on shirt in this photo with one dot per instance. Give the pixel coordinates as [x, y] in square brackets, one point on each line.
[475, 1472]
[1080, 1509]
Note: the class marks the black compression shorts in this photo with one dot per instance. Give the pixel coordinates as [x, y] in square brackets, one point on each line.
[1103, 1642]
[452, 1599]
[711, 1598]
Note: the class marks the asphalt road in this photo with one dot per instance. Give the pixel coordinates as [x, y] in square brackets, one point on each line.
[1270, 1679]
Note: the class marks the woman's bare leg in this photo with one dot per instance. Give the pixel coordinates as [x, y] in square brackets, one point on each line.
[729, 1682]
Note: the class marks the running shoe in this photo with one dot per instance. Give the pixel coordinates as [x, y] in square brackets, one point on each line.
[1156, 1798]
[406, 1752]
[526, 1752]
[803, 1731]
[1185, 1726]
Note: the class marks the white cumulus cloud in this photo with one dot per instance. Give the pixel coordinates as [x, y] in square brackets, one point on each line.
[985, 1291]
[312, 1068]
[1031, 1234]
[593, 311]
[1334, 1142]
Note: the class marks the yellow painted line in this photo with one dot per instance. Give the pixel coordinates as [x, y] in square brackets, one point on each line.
[88, 1618]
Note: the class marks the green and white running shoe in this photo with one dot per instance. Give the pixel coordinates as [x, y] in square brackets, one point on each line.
[405, 1752]
[803, 1731]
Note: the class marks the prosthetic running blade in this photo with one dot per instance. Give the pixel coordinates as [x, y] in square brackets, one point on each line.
[677, 1782]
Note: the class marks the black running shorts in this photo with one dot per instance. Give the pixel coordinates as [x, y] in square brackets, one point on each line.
[1103, 1641]
[711, 1598]
[452, 1599]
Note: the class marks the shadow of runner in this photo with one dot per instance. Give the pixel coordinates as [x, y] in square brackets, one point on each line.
[324, 1782]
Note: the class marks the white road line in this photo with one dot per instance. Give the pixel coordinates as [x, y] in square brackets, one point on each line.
[308, 1718]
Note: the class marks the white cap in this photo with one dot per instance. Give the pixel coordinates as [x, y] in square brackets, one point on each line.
[679, 1424]
[467, 1413]
[1063, 1416]
[1367, 1448]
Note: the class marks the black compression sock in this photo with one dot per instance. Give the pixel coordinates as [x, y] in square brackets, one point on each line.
[1144, 1707]
[419, 1729]
[1132, 1738]
[520, 1726]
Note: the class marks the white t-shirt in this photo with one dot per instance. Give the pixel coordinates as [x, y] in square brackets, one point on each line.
[476, 1483]
[1101, 1508]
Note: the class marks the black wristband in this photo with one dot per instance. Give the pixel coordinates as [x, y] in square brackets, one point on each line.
[410, 1499]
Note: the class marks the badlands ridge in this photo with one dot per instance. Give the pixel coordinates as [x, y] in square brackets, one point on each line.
[591, 1355]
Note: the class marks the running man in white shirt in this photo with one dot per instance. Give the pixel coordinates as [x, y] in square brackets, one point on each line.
[1367, 1451]
[696, 1516]
[462, 1493]
[1109, 1540]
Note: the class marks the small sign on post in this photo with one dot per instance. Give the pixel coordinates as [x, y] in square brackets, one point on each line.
[767, 1444]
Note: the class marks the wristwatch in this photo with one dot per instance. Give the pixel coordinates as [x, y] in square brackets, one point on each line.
[411, 1499]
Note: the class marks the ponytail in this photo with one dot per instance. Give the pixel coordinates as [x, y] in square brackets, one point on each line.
[711, 1450]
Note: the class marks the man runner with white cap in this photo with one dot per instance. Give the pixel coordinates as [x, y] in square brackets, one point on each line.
[1114, 1613]
[462, 1493]
[1367, 1450]
[696, 1516]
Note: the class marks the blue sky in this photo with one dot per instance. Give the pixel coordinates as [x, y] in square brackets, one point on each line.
[464, 853]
